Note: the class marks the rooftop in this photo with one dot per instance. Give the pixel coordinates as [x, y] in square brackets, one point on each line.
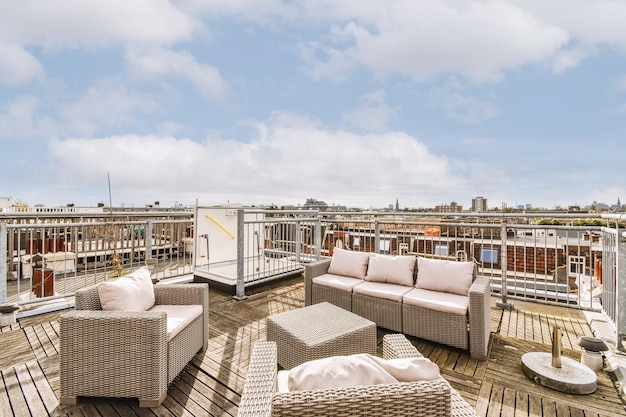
[212, 384]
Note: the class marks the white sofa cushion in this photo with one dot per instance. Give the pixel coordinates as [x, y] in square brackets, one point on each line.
[392, 269]
[338, 282]
[359, 370]
[178, 316]
[437, 301]
[442, 275]
[132, 292]
[349, 263]
[384, 290]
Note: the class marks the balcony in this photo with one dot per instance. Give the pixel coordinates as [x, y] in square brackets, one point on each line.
[541, 275]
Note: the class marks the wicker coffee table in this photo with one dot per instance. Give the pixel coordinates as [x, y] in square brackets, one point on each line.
[319, 331]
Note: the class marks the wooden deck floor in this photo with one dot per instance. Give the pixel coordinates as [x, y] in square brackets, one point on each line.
[212, 384]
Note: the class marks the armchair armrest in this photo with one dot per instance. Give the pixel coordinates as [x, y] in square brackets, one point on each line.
[174, 294]
[479, 317]
[312, 270]
[256, 398]
[396, 346]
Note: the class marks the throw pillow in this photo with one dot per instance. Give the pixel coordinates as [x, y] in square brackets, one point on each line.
[447, 276]
[132, 292]
[349, 263]
[391, 269]
[360, 369]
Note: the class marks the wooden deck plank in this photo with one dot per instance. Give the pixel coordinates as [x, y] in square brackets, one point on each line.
[19, 405]
[212, 383]
[49, 399]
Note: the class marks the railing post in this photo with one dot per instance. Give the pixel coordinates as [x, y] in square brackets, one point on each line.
[504, 303]
[376, 236]
[148, 239]
[298, 240]
[3, 262]
[620, 287]
[240, 290]
[318, 239]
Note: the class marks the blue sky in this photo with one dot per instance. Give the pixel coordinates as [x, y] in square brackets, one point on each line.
[353, 102]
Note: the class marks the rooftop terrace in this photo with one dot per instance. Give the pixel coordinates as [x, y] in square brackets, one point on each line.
[212, 384]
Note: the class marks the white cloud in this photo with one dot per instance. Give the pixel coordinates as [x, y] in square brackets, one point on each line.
[57, 24]
[372, 114]
[18, 66]
[459, 105]
[158, 62]
[478, 40]
[108, 104]
[290, 159]
[22, 119]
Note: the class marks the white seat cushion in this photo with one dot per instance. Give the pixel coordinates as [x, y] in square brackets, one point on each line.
[437, 300]
[382, 290]
[338, 282]
[178, 316]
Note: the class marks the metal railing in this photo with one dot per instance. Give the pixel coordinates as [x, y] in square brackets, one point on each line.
[613, 279]
[45, 262]
[577, 260]
[561, 259]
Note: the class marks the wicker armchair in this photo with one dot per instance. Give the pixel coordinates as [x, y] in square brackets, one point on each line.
[422, 398]
[126, 353]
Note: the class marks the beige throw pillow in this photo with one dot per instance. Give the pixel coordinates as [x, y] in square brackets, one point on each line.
[359, 369]
[349, 263]
[447, 276]
[132, 292]
[391, 269]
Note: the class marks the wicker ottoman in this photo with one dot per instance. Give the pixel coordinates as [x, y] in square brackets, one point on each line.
[319, 331]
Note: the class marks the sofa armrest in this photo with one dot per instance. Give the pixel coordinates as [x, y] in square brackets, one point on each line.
[312, 270]
[260, 385]
[479, 317]
[103, 348]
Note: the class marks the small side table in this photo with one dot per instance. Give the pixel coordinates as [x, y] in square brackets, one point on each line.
[319, 331]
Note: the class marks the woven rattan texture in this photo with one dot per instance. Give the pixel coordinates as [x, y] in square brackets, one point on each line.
[423, 398]
[466, 332]
[334, 296]
[311, 270]
[126, 353]
[479, 317]
[319, 331]
[385, 313]
[447, 328]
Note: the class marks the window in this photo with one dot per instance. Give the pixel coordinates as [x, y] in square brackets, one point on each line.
[383, 246]
[489, 256]
[441, 250]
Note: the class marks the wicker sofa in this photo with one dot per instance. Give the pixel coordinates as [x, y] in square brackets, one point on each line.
[129, 353]
[421, 398]
[439, 312]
